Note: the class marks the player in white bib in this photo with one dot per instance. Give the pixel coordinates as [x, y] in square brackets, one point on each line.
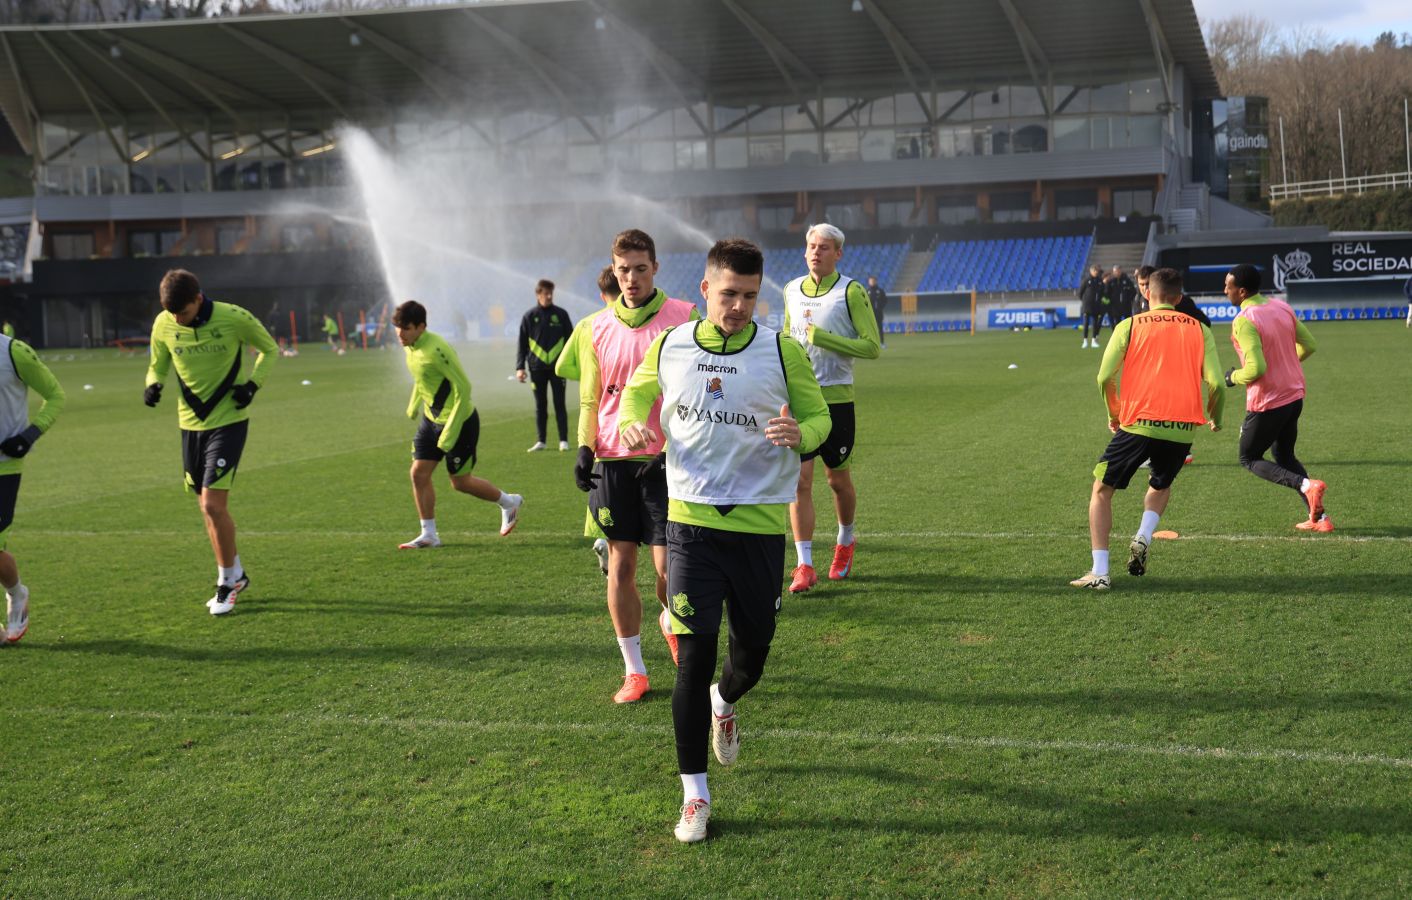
[739, 403]
[830, 314]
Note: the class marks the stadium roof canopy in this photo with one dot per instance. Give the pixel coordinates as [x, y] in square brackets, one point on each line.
[577, 57]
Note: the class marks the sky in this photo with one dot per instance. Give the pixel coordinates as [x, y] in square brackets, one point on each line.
[1356, 20]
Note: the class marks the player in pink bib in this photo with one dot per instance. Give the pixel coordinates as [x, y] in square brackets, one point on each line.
[627, 489]
[1272, 345]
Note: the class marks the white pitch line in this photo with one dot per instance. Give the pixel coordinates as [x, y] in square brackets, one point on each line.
[883, 535]
[968, 742]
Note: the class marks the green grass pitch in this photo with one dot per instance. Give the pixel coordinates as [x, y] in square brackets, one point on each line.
[953, 720]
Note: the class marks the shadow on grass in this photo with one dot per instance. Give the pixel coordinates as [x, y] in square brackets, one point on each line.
[469, 609]
[1274, 584]
[423, 654]
[1106, 703]
[1068, 815]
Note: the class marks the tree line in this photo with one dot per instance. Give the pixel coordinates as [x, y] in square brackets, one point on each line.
[1309, 78]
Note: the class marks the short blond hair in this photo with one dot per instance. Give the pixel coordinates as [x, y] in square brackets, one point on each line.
[832, 232]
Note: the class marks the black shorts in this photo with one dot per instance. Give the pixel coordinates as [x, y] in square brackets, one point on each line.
[626, 507]
[462, 458]
[709, 570]
[9, 493]
[1126, 453]
[210, 457]
[837, 448]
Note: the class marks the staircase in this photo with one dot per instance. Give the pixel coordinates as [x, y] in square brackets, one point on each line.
[910, 275]
[1193, 212]
[1106, 256]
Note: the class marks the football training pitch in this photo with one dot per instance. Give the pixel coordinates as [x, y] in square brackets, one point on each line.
[953, 719]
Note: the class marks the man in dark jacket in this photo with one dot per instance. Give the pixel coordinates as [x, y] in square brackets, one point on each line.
[1127, 293]
[1185, 305]
[544, 332]
[878, 298]
[1091, 300]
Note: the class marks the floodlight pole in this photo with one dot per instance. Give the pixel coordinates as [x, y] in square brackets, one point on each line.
[1284, 158]
[1407, 136]
[1343, 157]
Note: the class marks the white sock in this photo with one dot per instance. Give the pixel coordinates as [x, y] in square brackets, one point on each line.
[1149, 524]
[719, 706]
[239, 568]
[693, 787]
[226, 575]
[1304, 486]
[805, 551]
[505, 501]
[632, 654]
[845, 534]
[428, 527]
[1100, 562]
[19, 591]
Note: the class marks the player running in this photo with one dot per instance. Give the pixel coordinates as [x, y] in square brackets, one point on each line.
[1272, 345]
[24, 373]
[831, 315]
[1164, 357]
[738, 403]
[449, 428]
[204, 340]
[580, 342]
[626, 486]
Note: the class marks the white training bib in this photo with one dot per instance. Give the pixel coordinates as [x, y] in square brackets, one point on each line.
[828, 311]
[14, 399]
[715, 408]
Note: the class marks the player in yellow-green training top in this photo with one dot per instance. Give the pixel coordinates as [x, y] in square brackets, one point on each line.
[738, 406]
[570, 366]
[1160, 381]
[449, 429]
[25, 372]
[205, 341]
[831, 315]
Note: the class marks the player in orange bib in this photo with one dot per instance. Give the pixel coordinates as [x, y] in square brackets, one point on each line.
[1171, 385]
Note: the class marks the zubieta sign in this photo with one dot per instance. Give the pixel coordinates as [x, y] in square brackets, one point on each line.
[1019, 318]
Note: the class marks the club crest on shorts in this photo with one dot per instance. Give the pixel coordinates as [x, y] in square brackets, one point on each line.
[713, 387]
[682, 606]
[605, 517]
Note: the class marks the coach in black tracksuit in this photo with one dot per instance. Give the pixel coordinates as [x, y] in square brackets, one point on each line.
[544, 332]
[1091, 303]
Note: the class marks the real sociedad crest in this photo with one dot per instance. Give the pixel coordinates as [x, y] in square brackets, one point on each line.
[713, 387]
[1295, 266]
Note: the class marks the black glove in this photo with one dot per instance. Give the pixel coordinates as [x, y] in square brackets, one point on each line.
[1230, 383]
[655, 469]
[244, 393]
[152, 395]
[16, 446]
[584, 476]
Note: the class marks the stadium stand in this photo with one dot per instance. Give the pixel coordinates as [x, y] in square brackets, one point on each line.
[1023, 264]
[680, 274]
[14, 239]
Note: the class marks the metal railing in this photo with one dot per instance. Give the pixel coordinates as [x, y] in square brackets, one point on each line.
[1357, 184]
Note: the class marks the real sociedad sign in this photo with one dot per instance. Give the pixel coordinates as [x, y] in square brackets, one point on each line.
[1285, 264]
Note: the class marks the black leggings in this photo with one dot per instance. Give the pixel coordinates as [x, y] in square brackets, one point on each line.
[1097, 319]
[691, 697]
[1275, 430]
[543, 380]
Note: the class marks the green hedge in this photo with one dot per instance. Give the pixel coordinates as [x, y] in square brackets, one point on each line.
[1379, 211]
